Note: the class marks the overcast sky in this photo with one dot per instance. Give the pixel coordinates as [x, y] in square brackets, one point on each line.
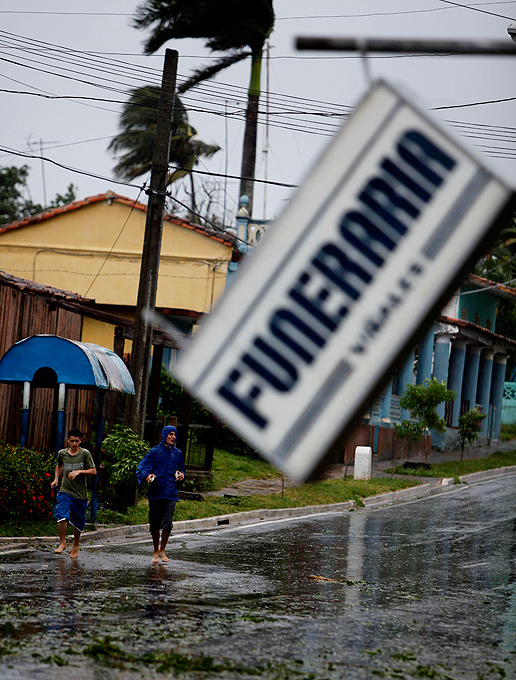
[91, 52]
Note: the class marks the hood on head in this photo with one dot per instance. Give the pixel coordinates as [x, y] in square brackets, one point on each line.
[166, 431]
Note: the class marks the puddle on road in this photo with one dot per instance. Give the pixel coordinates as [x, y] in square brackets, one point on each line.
[391, 597]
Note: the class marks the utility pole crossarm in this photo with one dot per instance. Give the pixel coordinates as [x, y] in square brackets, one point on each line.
[404, 45]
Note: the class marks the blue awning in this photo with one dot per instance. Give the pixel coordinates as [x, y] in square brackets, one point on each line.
[77, 364]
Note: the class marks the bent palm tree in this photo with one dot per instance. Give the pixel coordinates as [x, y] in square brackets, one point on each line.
[227, 26]
[138, 131]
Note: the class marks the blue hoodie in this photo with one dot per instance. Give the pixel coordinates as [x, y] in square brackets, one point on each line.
[162, 461]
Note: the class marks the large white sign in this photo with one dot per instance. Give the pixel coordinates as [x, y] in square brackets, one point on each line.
[342, 284]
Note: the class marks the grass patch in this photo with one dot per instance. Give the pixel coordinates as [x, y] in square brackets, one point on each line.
[228, 468]
[457, 468]
[508, 432]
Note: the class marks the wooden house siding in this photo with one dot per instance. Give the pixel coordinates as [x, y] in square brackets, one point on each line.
[27, 310]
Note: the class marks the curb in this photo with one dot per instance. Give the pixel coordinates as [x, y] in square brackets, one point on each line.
[389, 498]
[14, 544]
[254, 516]
[484, 475]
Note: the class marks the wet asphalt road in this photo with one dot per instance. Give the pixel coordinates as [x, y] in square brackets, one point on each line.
[422, 589]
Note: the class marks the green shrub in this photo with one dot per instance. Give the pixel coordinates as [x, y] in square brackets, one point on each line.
[25, 478]
[227, 440]
[422, 401]
[470, 424]
[171, 397]
[124, 450]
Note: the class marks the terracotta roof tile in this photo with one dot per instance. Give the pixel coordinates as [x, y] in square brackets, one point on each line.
[40, 289]
[228, 239]
[462, 323]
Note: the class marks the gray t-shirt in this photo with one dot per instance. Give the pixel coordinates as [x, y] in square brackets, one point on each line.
[81, 461]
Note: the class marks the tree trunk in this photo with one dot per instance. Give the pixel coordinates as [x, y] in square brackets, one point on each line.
[251, 131]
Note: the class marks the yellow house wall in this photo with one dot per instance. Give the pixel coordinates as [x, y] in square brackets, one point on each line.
[95, 251]
[101, 333]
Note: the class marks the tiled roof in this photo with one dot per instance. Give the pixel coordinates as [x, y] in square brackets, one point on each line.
[220, 236]
[496, 289]
[40, 289]
[469, 325]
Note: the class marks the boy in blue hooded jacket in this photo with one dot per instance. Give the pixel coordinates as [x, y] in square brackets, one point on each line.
[161, 468]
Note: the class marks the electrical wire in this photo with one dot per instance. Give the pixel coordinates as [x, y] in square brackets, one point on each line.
[202, 91]
[481, 103]
[129, 184]
[476, 9]
[115, 241]
[238, 177]
[286, 18]
[482, 290]
[15, 152]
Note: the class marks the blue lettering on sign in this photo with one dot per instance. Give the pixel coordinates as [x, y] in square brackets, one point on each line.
[337, 274]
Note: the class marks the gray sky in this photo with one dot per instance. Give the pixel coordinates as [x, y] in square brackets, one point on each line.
[90, 50]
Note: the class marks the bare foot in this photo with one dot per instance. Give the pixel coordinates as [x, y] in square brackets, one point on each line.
[60, 548]
[164, 558]
[74, 553]
[155, 558]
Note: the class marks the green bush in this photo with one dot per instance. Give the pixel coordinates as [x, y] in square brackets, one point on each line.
[470, 424]
[124, 450]
[227, 440]
[170, 399]
[25, 478]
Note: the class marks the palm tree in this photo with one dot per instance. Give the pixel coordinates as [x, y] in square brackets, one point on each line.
[136, 139]
[227, 26]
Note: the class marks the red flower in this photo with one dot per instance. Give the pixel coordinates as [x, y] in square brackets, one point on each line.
[47, 474]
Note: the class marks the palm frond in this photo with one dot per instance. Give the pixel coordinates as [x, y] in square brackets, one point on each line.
[203, 74]
[135, 141]
[224, 24]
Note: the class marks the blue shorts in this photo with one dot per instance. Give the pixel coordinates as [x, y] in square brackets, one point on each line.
[71, 509]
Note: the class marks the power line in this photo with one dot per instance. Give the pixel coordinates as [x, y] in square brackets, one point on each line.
[462, 106]
[15, 152]
[23, 154]
[212, 90]
[115, 241]
[287, 18]
[332, 128]
[129, 184]
[238, 177]
[476, 9]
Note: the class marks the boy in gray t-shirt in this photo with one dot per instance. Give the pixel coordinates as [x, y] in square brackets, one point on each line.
[72, 498]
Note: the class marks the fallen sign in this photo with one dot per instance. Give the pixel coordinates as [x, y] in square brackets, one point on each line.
[368, 250]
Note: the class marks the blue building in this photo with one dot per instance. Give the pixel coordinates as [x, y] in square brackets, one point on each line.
[463, 349]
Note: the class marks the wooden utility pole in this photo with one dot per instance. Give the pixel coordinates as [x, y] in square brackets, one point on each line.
[146, 304]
